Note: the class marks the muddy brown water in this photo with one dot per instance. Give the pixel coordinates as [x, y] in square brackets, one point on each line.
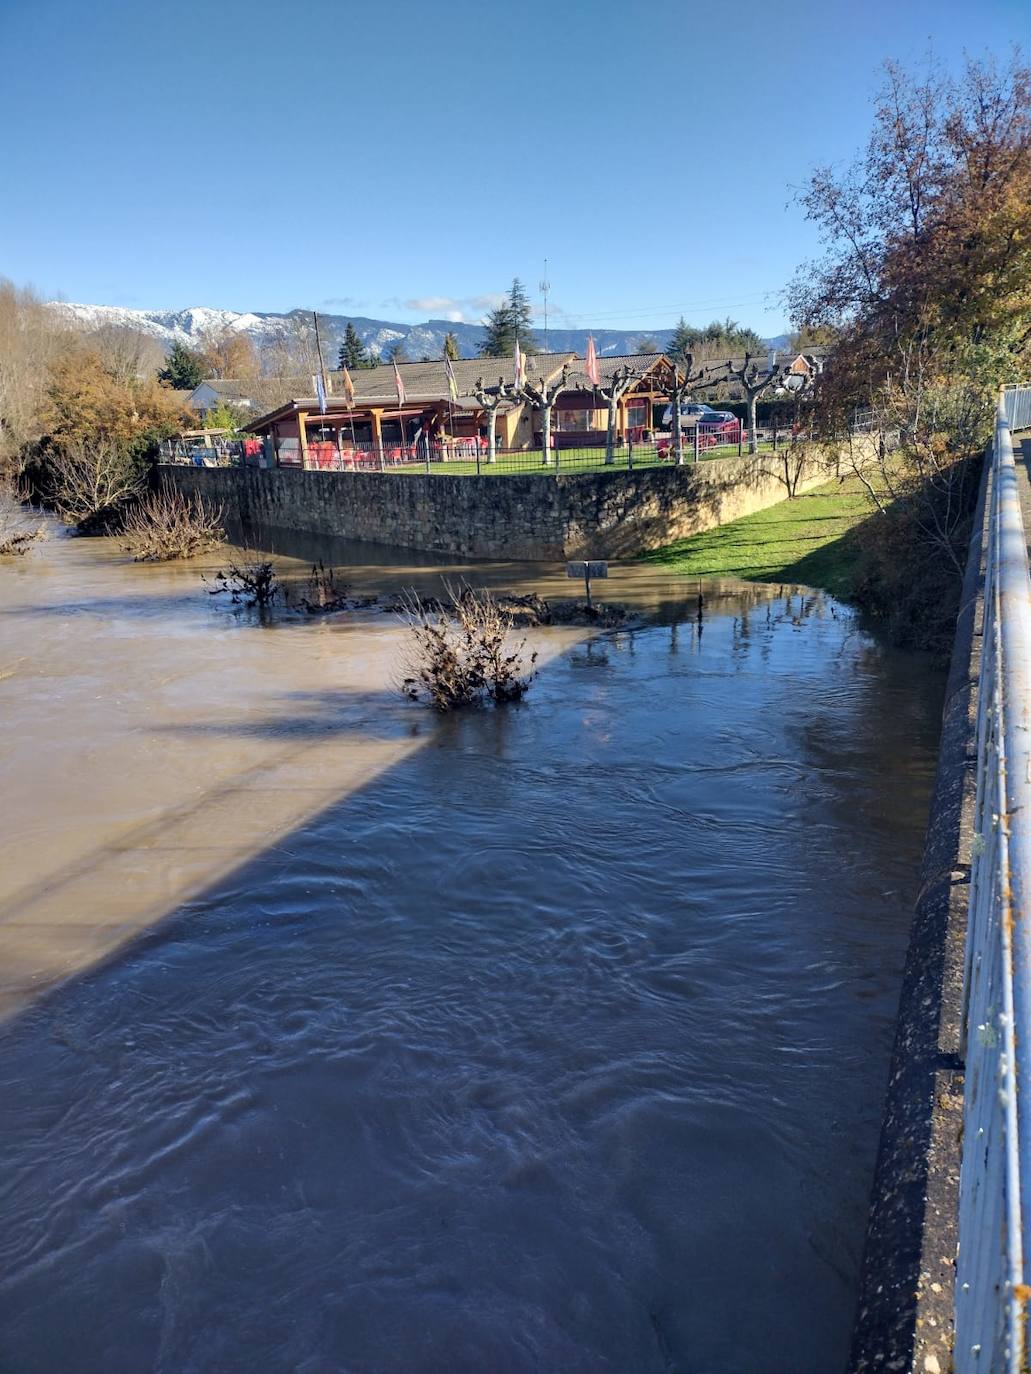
[339, 1037]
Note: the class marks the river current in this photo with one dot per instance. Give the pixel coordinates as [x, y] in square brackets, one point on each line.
[340, 1038]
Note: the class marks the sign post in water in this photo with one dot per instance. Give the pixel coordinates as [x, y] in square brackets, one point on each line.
[587, 570]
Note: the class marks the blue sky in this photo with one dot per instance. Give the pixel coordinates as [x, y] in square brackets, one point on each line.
[408, 159]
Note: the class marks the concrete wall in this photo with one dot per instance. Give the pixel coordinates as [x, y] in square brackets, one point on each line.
[904, 1319]
[598, 514]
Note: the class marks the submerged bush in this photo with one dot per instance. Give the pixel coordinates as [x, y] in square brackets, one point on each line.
[170, 525]
[463, 655]
[19, 527]
[247, 584]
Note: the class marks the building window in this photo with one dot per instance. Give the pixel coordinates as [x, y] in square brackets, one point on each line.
[566, 420]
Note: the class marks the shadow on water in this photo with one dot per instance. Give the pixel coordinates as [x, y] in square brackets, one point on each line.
[555, 1041]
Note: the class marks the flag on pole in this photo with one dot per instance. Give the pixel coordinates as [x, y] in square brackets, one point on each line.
[320, 392]
[591, 365]
[348, 389]
[399, 386]
[520, 374]
[452, 384]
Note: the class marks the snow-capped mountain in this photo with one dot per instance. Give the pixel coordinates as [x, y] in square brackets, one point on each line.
[193, 325]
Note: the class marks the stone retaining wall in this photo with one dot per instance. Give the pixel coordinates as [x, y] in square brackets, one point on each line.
[904, 1320]
[598, 514]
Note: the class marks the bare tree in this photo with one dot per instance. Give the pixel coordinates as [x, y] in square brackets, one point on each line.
[31, 338]
[753, 379]
[541, 394]
[491, 398]
[678, 382]
[618, 385]
[90, 479]
[20, 527]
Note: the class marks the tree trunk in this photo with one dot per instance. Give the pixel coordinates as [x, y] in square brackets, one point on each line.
[492, 432]
[678, 432]
[546, 434]
[753, 446]
[610, 437]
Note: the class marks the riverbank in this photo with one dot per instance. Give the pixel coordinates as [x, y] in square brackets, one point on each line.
[806, 540]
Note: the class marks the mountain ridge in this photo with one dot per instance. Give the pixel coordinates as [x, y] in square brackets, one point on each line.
[192, 324]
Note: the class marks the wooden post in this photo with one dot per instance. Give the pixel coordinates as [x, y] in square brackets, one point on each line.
[302, 417]
[377, 433]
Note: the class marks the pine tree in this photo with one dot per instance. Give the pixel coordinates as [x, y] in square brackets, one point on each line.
[353, 353]
[182, 370]
[451, 348]
[683, 340]
[511, 320]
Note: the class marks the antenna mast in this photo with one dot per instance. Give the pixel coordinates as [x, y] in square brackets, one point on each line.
[544, 287]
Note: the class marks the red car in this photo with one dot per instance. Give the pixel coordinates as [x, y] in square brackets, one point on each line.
[719, 428]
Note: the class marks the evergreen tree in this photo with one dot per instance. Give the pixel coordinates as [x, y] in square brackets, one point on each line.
[396, 352]
[511, 320]
[451, 348]
[182, 370]
[353, 353]
[683, 340]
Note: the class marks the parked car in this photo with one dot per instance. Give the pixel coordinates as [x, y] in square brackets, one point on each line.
[720, 428]
[689, 414]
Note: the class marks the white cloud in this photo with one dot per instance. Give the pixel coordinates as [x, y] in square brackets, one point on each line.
[452, 308]
[430, 303]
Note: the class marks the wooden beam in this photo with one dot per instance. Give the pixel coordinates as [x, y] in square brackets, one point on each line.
[302, 417]
[376, 416]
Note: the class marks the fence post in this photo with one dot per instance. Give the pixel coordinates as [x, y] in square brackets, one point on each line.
[629, 452]
[775, 438]
[477, 458]
[741, 439]
[696, 442]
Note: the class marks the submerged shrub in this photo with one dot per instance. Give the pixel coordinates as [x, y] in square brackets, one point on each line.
[247, 584]
[170, 525]
[462, 655]
[19, 527]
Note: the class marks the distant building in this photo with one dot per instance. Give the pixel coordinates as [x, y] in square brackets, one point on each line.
[296, 433]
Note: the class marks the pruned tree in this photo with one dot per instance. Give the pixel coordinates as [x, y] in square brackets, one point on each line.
[452, 349]
[753, 378]
[677, 382]
[491, 398]
[611, 393]
[541, 394]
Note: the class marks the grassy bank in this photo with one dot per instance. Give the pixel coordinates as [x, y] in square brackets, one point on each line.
[804, 540]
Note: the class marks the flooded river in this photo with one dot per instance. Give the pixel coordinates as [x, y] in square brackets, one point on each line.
[340, 1038]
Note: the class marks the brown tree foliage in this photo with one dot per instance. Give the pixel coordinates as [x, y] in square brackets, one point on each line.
[86, 402]
[927, 281]
[927, 274]
[229, 354]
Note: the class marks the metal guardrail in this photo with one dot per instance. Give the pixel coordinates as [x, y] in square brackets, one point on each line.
[1016, 401]
[995, 1181]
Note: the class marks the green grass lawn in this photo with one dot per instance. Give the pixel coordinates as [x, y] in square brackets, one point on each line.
[569, 460]
[795, 541]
